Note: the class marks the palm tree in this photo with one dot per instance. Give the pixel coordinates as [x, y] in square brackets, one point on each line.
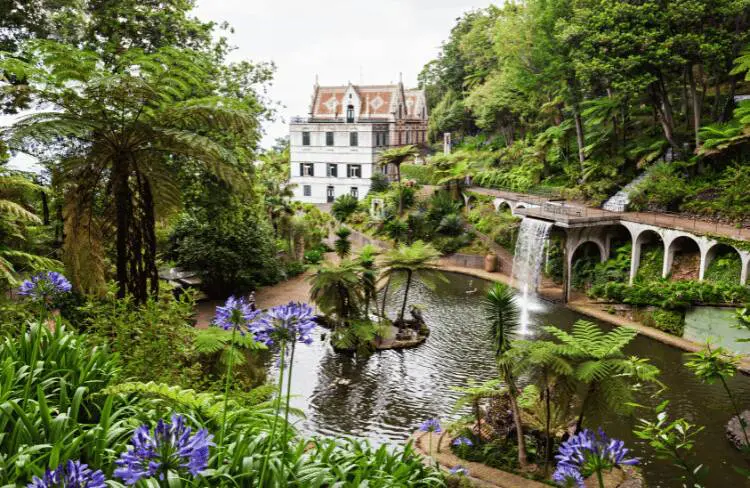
[366, 260]
[396, 156]
[338, 291]
[601, 365]
[13, 215]
[502, 314]
[417, 259]
[342, 245]
[120, 132]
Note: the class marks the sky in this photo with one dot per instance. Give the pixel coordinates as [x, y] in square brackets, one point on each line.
[368, 42]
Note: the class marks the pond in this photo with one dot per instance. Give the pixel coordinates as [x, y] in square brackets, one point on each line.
[384, 397]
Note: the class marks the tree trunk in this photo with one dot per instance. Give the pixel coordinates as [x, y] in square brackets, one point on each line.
[45, 208]
[385, 294]
[149, 230]
[122, 210]
[663, 109]
[717, 101]
[728, 111]
[521, 440]
[478, 415]
[697, 107]
[580, 136]
[400, 190]
[406, 296]
[547, 435]
[579, 423]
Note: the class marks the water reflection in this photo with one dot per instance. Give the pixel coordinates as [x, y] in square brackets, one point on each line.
[384, 397]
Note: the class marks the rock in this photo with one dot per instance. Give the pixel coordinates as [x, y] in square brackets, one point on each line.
[734, 430]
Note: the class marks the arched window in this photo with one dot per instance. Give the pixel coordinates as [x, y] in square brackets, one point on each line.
[350, 113]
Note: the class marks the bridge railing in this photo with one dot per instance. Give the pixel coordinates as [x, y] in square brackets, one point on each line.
[688, 223]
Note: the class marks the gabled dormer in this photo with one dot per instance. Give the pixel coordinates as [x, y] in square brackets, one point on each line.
[351, 104]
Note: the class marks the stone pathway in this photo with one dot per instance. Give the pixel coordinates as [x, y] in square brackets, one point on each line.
[479, 474]
[296, 289]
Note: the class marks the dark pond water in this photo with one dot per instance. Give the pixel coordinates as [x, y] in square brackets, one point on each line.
[385, 397]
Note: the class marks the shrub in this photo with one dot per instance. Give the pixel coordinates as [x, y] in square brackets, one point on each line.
[232, 253]
[670, 321]
[451, 244]
[379, 182]
[294, 268]
[154, 340]
[672, 295]
[451, 225]
[725, 268]
[421, 173]
[343, 207]
[313, 256]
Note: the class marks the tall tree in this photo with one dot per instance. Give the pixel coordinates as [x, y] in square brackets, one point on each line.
[118, 133]
[502, 314]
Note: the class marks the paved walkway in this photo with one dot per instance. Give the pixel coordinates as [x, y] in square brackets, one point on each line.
[480, 474]
[296, 289]
[585, 213]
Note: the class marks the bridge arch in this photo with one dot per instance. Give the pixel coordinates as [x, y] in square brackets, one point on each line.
[683, 248]
[731, 261]
[645, 239]
[502, 204]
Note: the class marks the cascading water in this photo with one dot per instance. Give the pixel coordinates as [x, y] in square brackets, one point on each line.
[527, 263]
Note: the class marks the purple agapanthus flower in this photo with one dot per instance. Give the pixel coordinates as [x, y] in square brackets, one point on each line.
[588, 452]
[72, 474]
[459, 470]
[45, 287]
[462, 441]
[286, 323]
[430, 425]
[169, 448]
[236, 314]
[568, 477]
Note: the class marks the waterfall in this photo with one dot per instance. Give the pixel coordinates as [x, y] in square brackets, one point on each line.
[527, 263]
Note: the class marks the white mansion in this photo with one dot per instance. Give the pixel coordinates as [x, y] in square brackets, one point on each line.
[334, 151]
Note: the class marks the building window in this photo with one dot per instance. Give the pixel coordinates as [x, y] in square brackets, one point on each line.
[329, 138]
[350, 113]
[354, 192]
[305, 138]
[354, 138]
[306, 169]
[408, 137]
[306, 190]
[354, 171]
[332, 170]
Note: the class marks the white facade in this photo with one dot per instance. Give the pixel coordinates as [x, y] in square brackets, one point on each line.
[334, 151]
[354, 165]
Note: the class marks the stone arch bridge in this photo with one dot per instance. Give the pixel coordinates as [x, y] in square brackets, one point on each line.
[597, 230]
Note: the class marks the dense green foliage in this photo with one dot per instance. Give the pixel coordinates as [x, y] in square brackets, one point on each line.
[344, 206]
[232, 252]
[420, 173]
[587, 94]
[77, 404]
[672, 294]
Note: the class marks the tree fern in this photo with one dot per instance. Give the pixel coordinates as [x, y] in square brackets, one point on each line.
[116, 135]
[600, 364]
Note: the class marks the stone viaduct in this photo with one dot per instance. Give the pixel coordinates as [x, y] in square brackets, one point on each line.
[584, 226]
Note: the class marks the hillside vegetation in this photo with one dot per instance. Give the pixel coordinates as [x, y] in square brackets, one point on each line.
[584, 96]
